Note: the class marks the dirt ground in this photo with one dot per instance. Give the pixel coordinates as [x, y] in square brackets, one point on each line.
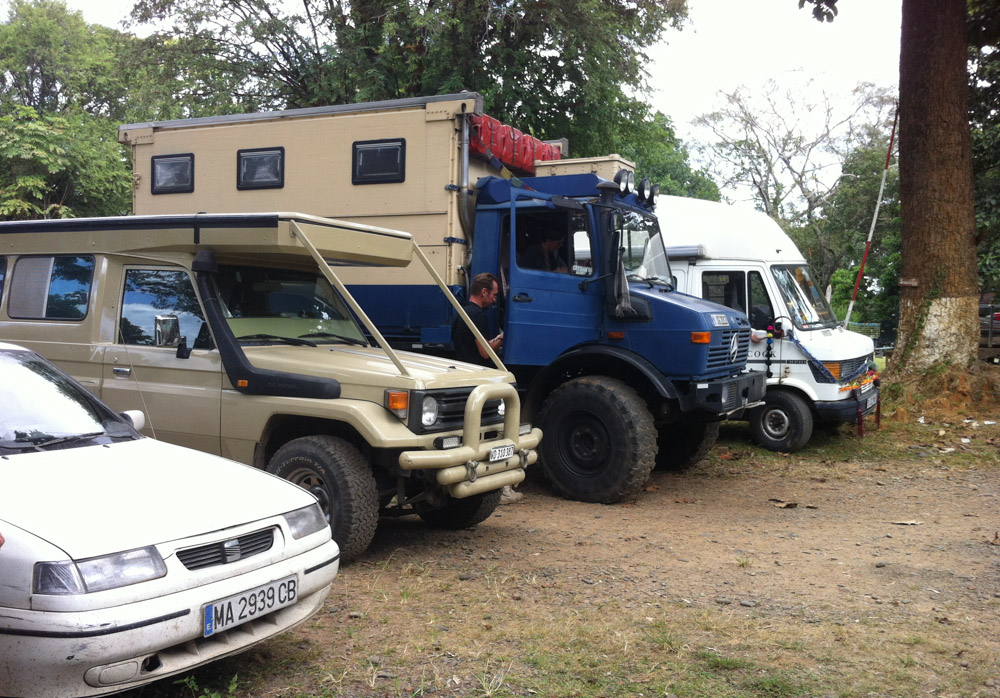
[844, 572]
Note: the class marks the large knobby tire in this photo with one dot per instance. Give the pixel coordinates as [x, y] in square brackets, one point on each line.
[783, 423]
[339, 476]
[599, 443]
[681, 444]
[465, 512]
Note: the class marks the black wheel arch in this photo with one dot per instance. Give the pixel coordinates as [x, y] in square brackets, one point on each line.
[282, 428]
[600, 360]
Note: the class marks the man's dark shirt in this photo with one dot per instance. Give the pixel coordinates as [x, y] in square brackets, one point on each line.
[537, 257]
[461, 336]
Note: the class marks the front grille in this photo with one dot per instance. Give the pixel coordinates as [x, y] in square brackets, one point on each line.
[226, 551]
[451, 410]
[848, 369]
[719, 352]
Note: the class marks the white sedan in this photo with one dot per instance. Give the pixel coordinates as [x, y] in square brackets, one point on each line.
[123, 559]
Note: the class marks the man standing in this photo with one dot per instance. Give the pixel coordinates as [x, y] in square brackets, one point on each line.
[482, 295]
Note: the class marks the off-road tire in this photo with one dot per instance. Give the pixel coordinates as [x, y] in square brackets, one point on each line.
[600, 442]
[339, 476]
[682, 444]
[783, 423]
[465, 512]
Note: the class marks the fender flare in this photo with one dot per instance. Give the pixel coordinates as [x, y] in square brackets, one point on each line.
[594, 359]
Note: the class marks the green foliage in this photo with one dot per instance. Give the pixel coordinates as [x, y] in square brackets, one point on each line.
[198, 691]
[848, 219]
[554, 68]
[58, 167]
[984, 108]
[661, 156]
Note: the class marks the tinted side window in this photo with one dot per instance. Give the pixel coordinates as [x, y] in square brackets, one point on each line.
[3, 274]
[726, 288]
[557, 241]
[159, 307]
[51, 288]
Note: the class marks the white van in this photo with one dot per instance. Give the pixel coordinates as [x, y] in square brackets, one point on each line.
[817, 371]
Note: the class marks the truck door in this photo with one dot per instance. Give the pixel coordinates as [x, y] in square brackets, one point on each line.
[144, 370]
[744, 290]
[548, 308]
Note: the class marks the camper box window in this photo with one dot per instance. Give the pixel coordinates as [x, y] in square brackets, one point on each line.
[379, 162]
[173, 174]
[260, 168]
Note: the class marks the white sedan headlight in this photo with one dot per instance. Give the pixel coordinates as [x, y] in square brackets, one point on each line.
[306, 520]
[98, 573]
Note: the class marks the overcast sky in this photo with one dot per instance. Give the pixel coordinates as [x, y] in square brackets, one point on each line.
[727, 43]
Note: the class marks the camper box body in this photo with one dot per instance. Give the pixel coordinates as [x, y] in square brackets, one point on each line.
[817, 371]
[608, 357]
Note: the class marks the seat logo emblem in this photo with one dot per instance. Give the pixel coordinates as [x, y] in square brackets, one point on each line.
[231, 549]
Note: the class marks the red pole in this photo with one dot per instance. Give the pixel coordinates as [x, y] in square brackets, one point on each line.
[871, 231]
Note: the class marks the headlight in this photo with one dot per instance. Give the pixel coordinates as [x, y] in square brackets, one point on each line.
[428, 411]
[98, 573]
[502, 408]
[306, 521]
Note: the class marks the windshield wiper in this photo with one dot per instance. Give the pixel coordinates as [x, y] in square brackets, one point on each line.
[343, 338]
[41, 443]
[275, 338]
[636, 277]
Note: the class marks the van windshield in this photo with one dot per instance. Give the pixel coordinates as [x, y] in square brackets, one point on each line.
[644, 255]
[282, 305]
[806, 306]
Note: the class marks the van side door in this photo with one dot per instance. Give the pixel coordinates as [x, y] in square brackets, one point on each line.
[148, 366]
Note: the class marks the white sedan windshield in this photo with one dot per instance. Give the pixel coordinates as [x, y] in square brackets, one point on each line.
[39, 404]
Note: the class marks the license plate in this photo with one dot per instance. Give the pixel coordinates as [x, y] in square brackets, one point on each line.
[240, 608]
[871, 401]
[501, 453]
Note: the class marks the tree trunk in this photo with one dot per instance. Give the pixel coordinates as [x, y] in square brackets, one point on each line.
[938, 310]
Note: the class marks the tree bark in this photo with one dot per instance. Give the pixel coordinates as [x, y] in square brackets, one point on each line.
[938, 314]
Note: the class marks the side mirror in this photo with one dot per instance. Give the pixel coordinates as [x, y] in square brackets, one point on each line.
[167, 331]
[136, 418]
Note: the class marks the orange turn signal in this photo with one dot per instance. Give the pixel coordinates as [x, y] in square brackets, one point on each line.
[398, 400]
[701, 337]
[616, 335]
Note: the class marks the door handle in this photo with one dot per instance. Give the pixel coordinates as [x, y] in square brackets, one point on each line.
[122, 371]
[523, 298]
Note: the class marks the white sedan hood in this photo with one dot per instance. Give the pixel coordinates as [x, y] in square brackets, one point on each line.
[96, 500]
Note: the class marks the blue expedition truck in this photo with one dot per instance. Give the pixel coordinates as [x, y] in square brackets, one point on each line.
[621, 371]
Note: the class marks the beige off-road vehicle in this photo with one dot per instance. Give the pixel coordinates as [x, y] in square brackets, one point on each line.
[235, 336]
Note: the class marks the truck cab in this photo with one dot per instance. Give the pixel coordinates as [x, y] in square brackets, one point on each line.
[603, 345]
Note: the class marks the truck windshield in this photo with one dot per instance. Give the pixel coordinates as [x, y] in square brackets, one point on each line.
[644, 255]
[807, 306]
[284, 306]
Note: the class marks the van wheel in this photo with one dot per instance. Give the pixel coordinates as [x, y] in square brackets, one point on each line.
[339, 476]
[783, 423]
[600, 442]
[683, 444]
[465, 512]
